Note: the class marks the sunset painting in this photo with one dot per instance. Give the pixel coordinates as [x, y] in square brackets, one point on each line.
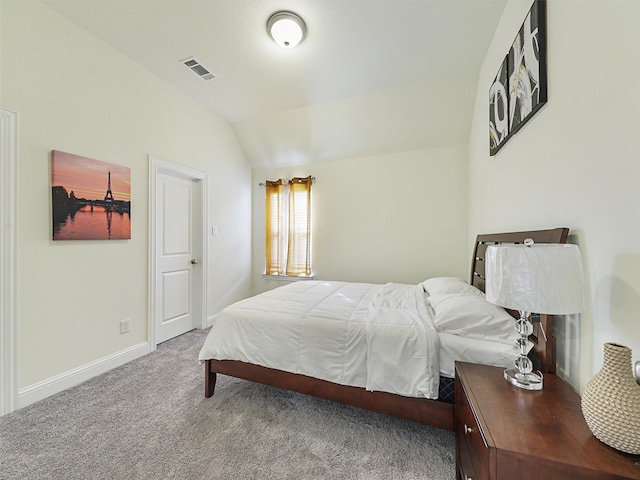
[91, 200]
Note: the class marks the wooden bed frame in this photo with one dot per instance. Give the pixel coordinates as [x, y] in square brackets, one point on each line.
[436, 413]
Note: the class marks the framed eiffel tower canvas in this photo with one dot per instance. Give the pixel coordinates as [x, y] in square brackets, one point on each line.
[90, 199]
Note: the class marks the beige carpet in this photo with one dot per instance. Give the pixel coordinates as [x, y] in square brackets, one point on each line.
[149, 420]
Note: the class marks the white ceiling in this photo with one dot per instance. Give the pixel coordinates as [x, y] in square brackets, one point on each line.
[372, 76]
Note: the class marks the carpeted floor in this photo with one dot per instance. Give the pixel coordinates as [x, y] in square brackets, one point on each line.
[149, 420]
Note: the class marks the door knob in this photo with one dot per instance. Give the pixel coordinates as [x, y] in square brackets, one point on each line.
[194, 261]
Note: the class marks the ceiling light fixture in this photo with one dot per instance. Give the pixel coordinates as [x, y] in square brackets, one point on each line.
[286, 29]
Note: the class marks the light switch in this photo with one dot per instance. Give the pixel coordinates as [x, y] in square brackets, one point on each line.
[214, 231]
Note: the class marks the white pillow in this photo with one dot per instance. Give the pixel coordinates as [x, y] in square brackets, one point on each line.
[448, 285]
[472, 316]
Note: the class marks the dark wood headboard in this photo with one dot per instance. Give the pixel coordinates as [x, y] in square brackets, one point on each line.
[545, 344]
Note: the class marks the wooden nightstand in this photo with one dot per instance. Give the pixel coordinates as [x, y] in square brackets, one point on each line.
[505, 433]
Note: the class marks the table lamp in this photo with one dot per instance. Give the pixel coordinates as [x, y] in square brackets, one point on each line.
[539, 278]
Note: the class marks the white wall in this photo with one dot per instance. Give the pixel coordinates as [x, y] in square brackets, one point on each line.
[76, 94]
[398, 217]
[575, 164]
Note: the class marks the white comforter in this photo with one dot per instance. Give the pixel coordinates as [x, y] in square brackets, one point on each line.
[380, 337]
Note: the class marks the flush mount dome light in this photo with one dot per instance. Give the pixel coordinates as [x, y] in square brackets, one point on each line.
[286, 29]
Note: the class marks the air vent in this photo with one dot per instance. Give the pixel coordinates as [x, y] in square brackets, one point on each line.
[195, 65]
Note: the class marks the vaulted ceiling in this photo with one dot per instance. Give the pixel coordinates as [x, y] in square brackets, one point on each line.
[372, 76]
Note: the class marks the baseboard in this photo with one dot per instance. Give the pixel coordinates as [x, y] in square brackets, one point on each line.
[41, 390]
[209, 321]
[561, 373]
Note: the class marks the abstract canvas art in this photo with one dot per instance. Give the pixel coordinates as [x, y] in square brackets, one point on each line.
[519, 89]
[528, 68]
[91, 200]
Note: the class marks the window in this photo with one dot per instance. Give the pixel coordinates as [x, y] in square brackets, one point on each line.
[288, 227]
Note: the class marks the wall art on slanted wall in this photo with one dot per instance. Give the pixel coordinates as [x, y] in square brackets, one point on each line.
[498, 109]
[528, 68]
[519, 89]
[91, 200]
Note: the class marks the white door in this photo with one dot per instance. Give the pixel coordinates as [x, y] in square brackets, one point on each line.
[176, 259]
[179, 229]
[177, 250]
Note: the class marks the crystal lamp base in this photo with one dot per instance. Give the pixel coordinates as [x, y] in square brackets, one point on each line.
[527, 381]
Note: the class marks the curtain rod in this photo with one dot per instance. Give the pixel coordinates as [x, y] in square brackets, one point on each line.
[313, 180]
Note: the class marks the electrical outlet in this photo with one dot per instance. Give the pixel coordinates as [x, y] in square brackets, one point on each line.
[124, 326]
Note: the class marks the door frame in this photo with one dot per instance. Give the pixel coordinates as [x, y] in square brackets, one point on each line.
[200, 178]
[8, 260]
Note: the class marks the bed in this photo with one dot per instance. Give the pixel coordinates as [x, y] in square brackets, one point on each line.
[395, 361]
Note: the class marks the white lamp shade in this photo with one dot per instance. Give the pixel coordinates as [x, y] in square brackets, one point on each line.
[286, 29]
[540, 278]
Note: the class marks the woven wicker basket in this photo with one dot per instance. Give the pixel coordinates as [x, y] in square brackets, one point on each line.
[611, 401]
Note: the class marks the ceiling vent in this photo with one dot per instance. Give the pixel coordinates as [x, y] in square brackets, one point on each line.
[195, 65]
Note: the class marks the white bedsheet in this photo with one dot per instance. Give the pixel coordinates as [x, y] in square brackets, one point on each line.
[379, 337]
[466, 349]
[402, 343]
